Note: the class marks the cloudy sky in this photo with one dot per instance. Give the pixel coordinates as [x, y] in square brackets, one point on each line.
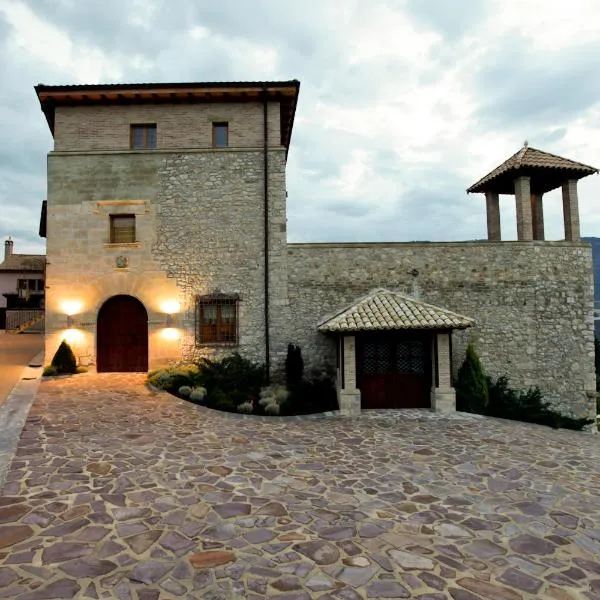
[403, 103]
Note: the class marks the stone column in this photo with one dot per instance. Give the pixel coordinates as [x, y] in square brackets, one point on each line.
[523, 199]
[443, 396]
[571, 210]
[349, 396]
[537, 214]
[492, 205]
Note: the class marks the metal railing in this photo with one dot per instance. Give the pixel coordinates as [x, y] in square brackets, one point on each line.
[18, 318]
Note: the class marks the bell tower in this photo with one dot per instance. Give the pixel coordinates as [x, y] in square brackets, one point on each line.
[529, 174]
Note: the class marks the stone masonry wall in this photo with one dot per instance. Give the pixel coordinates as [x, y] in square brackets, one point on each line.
[533, 303]
[88, 128]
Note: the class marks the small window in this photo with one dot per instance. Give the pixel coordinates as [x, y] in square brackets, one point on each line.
[122, 229]
[220, 135]
[143, 137]
[217, 319]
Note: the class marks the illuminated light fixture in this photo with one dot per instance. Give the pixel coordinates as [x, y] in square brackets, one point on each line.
[69, 321]
[169, 307]
[71, 307]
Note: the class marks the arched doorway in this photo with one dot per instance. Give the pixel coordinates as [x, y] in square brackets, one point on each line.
[122, 335]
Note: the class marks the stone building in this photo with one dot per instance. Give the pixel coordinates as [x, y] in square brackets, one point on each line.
[21, 281]
[166, 240]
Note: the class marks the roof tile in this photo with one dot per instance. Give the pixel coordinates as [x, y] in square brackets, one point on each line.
[386, 310]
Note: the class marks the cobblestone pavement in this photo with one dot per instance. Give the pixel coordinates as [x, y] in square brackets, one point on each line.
[116, 492]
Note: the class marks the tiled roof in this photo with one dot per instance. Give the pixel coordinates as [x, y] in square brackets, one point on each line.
[386, 310]
[532, 158]
[24, 262]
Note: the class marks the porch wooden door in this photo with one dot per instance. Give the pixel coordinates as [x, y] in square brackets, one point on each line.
[394, 370]
[122, 336]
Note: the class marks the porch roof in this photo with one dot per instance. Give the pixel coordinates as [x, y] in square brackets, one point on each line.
[384, 310]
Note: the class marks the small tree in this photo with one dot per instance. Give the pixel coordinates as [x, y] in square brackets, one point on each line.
[64, 359]
[294, 365]
[471, 384]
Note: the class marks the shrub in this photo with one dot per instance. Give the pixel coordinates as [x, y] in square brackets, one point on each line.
[172, 378]
[230, 374]
[64, 359]
[198, 394]
[528, 406]
[49, 371]
[294, 365]
[315, 395]
[471, 384]
[272, 409]
[185, 391]
[245, 407]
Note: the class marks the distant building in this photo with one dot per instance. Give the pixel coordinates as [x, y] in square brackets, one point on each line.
[166, 229]
[21, 280]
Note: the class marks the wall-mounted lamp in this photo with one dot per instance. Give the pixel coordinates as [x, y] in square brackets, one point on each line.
[169, 307]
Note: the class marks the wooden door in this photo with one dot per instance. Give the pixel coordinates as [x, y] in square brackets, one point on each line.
[394, 370]
[122, 336]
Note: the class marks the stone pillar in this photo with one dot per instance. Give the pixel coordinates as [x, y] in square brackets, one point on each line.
[571, 210]
[349, 396]
[443, 395]
[523, 200]
[537, 214]
[492, 206]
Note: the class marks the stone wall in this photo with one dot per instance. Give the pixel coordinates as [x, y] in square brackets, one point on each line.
[533, 303]
[200, 224]
[88, 128]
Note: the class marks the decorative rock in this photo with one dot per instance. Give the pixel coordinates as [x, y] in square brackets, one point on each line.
[149, 571]
[320, 552]
[141, 542]
[212, 558]
[522, 581]
[13, 534]
[488, 590]
[63, 551]
[128, 513]
[89, 567]
[529, 544]
[387, 589]
[411, 561]
[232, 509]
[7, 576]
[99, 468]
[12, 513]
[356, 561]
[62, 588]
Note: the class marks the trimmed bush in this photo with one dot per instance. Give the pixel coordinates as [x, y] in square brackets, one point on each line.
[198, 394]
[185, 391]
[471, 384]
[245, 407]
[64, 360]
[49, 371]
[294, 366]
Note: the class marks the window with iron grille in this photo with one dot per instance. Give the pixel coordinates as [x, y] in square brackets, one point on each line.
[143, 137]
[122, 229]
[217, 319]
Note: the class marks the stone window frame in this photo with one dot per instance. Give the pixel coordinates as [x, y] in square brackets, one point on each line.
[211, 328]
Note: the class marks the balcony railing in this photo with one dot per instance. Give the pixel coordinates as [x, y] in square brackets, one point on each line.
[21, 318]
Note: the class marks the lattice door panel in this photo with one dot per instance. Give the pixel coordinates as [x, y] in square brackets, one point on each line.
[410, 357]
[378, 358]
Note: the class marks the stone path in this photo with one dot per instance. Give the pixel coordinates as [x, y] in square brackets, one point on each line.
[116, 492]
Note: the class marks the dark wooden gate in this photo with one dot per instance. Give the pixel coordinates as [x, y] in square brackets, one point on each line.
[122, 335]
[394, 369]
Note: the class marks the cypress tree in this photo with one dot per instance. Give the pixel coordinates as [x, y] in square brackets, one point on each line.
[471, 384]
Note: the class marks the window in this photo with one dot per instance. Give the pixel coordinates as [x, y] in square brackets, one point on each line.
[220, 135]
[122, 229]
[143, 137]
[216, 319]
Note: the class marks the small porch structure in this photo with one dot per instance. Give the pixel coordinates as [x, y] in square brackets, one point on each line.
[529, 174]
[394, 352]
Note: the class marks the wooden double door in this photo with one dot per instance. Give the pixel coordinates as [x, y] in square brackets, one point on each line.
[394, 369]
[122, 336]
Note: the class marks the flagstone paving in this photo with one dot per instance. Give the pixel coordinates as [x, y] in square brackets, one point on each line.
[118, 492]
